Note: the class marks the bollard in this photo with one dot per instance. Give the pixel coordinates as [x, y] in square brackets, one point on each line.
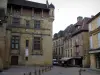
[42, 70]
[80, 72]
[39, 72]
[35, 73]
[50, 67]
[45, 69]
[24, 73]
[30, 73]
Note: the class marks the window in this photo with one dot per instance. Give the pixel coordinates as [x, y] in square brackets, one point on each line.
[27, 43]
[71, 52]
[59, 51]
[16, 21]
[78, 27]
[98, 21]
[15, 42]
[62, 50]
[99, 39]
[59, 42]
[91, 44]
[37, 43]
[27, 23]
[56, 50]
[16, 11]
[54, 44]
[90, 27]
[37, 24]
[68, 53]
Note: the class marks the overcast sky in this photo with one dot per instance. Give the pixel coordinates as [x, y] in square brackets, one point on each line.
[67, 11]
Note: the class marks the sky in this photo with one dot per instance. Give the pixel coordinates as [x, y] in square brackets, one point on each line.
[67, 11]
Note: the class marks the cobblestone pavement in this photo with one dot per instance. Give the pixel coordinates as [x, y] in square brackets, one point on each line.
[56, 70]
[69, 71]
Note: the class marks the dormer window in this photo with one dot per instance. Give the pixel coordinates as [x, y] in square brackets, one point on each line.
[27, 23]
[78, 27]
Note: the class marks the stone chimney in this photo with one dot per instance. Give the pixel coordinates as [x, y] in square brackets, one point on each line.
[47, 3]
[92, 16]
[80, 18]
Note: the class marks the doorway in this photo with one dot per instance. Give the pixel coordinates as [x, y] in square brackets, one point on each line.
[14, 60]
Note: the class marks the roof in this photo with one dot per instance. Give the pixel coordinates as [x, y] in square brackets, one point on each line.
[68, 31]
[93, 17]
[83, 26]
[58, 35]
[28, 4]
[51, 6]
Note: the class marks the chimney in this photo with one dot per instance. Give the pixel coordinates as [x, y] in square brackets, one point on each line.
[92, 16]
[47, 3]
[80, 18]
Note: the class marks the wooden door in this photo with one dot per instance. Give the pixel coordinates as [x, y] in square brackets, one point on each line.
[14, 60]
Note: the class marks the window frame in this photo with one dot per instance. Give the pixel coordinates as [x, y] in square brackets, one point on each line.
[14, 43]
[16, 22]
[27, 23]
[37, 24]
[38, 44]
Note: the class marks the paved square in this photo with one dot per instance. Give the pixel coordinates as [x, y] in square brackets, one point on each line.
[69, 71]
[56, 70]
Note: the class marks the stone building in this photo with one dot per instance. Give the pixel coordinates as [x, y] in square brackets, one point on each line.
[80, 42]
[76, 43]
[3, 38]
[94, 36]
[68, 41]
[28, 33]
[58, 45]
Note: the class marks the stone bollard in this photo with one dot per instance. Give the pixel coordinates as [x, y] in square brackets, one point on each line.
[30, 73]
[39, 72]
[45, 69]
[24, 74]
[42, 70]
[50, 67]
[80, 71]
[35, 73]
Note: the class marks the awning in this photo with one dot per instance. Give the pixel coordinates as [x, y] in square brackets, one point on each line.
[65, 58]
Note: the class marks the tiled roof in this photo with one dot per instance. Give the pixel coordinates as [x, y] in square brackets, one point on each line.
[68, 31]
[28, 4]
[93, 17]
[51, 6]
[59, 34]
[83, 26]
